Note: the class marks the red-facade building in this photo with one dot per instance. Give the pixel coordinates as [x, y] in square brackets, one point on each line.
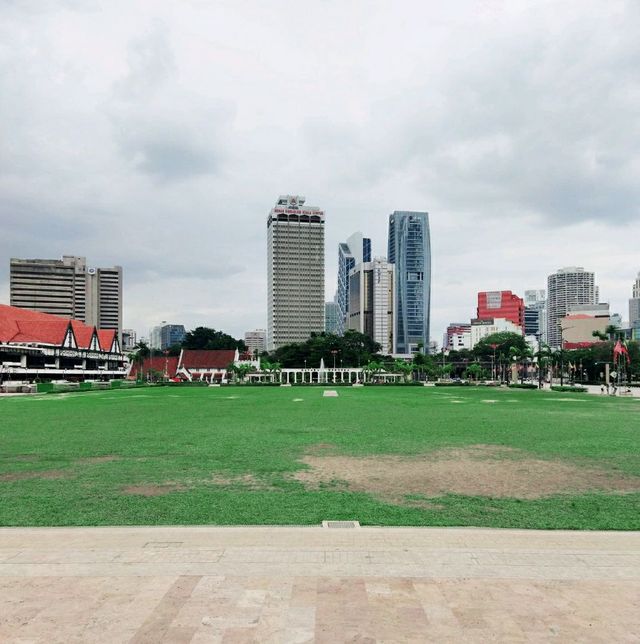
[501, 304]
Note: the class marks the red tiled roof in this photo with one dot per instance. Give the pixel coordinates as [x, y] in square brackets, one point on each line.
[83, 334]
[106, 338]
[157, 363]
[207, 359]
[23, 325]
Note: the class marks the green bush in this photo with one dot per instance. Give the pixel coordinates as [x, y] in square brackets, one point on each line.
[523, 385]
[455, 383]
[569, 388]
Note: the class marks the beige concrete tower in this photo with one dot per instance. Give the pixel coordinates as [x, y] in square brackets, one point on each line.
[295, 271]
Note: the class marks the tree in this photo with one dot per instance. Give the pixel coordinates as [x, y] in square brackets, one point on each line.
[352, 349]
[405, 368]
[240, 371]
[504, 340]
[474, 371]
[272, 368]
[203, 337]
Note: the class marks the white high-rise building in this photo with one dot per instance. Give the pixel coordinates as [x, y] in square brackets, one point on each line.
[567, 288]
[69, 288]
[295, 271]
[371, 301]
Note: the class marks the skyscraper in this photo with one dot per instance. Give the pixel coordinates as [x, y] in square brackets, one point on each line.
[68, 288]
[371, 311]
[355, 250]
[567, 288]
[410, 251]
[295, 271]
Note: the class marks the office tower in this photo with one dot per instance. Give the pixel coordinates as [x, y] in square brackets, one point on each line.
[256, 341]
[295, 271]
[634, 304]
[501, 304]
[371, 300]
[566, 288]
[166, 335]
[410, 251]
[355, 250]
[68, 288]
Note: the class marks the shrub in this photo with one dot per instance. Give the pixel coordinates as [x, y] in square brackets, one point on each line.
[455, 383]
[523, 385]
[569, 388]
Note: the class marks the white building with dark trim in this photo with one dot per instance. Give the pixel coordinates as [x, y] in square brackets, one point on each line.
[39, 346]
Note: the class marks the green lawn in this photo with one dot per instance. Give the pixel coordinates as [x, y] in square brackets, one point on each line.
[229, 455]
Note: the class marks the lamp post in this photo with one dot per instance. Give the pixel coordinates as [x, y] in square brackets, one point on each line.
[493, 361]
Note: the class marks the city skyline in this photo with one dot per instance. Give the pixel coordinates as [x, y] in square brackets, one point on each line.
[150, 142]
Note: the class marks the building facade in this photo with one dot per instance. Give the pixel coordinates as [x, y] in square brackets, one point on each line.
[332, 318]
[457, 336]
[410, 251]
[501, 304]
[535, 313]
[566, 288]
[295, 271]
[634, 304]
[481, 328]
[256, 341]
[371, 302]
[69, 288]
[355, 250]
[129, 339]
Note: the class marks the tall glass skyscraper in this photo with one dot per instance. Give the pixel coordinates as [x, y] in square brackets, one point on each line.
[356, 250]
[410, 251]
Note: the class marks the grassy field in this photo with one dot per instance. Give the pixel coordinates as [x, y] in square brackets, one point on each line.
[383, 456]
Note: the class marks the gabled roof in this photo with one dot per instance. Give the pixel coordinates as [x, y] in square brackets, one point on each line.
[32, 327]
[206, 359]
[106, 337]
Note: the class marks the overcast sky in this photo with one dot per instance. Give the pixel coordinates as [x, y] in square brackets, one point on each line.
[158, 135]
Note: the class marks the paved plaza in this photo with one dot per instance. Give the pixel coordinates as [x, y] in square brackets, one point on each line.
[339, 584]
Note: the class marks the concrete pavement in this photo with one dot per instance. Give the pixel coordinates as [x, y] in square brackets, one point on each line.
[288, 584]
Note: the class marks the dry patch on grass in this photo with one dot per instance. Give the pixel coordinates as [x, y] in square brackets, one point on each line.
[480, 470]
[153, 490]
[90, 460]
[246, 481]
[48, 475]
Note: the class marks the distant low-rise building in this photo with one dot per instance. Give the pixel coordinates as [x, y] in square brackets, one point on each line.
[483, 328]
[457, 336]
[129, 340]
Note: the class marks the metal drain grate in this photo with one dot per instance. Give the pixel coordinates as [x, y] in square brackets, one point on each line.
[341, 524]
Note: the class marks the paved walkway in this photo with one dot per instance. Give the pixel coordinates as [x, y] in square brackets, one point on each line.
[203, 584]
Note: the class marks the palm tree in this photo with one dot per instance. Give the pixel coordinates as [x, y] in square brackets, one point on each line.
[405, 368]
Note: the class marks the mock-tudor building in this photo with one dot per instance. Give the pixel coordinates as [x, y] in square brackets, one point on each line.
[40, 346]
